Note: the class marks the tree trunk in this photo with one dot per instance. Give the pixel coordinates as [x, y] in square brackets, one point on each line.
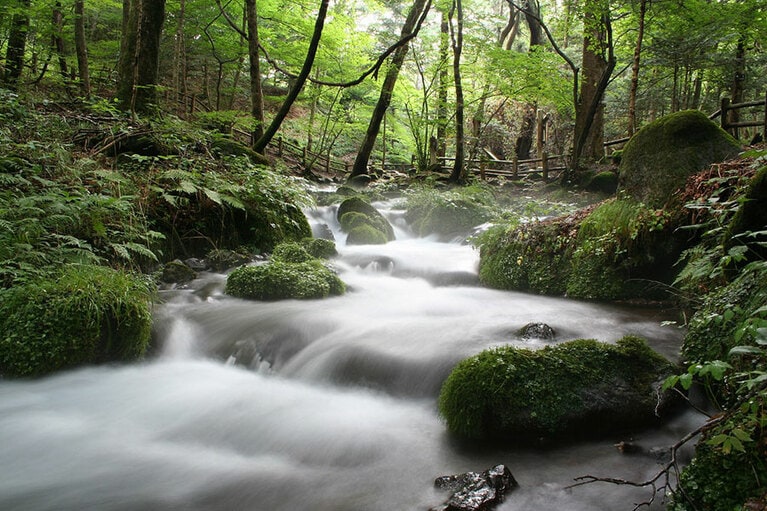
[139, 62]
[443, 85]
[738, 82]
[460, 143]
[269, 133]
[256, 93]
[525, 140]
[179, 58]
[598, 65]
[384, 99]
[632, 127]
[57, 41]
[17, 42]
[81, 49]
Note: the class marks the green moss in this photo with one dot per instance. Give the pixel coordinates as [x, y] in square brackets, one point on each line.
[366, 235]
[578, 387]
[361, 208]
[89, 315]
[448, 212]
[605, 182]
[320, 248]
[750, 218]
[657, 161]
[279, 280]
[291, 252]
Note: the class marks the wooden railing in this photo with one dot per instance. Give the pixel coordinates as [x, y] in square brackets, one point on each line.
[310, 159]
[546, 166]
[733, 127]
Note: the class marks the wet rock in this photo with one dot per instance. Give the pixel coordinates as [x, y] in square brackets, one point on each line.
[176, 272]
[222, 260]
[475, 491]
[196, 264]
[540, 331]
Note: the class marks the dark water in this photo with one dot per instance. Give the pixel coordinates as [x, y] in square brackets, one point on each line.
[310, 405]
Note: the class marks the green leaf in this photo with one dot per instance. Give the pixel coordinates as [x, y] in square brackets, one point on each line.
[686, 381]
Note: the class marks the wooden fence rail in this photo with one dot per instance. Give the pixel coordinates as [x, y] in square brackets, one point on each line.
[546, 166]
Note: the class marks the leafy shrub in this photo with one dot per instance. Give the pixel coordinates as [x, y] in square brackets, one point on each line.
[90, 314]
[578, 387]
[279, 280]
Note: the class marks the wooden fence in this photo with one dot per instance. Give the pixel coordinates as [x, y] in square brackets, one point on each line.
[547, 167]
[733, 126]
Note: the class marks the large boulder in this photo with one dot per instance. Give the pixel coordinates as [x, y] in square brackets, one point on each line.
[364, 224]
[279, 280]
[89, 314]
[661, 156]
[575, 389]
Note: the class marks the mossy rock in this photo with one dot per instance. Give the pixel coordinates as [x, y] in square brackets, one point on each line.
[363, 222]
[291, 252]
[449, 212]
[279, 280]
[223, 259]
[657, 161]
[176, 272]
[320, 248]
[575, 389]
[604, 182]
[90, 314]
[366, 235]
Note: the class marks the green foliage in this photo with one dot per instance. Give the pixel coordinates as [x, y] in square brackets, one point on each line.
[89, 314]
[456, 211]
[278, 280]
[572, 388]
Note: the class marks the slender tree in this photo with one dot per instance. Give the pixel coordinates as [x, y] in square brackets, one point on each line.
[632, 114]
[17, 43]
[57, 39]
[384, 99]
[140, 54]
[456, 36]
[298, 84]
[256, 93]
[81, 49]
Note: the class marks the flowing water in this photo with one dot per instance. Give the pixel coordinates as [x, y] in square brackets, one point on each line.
[311, 405]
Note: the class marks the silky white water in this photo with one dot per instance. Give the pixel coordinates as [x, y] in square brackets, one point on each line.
[310, 405]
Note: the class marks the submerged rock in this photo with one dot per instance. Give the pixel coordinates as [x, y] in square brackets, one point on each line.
[364, 223]
[540, 331]
[473, 491]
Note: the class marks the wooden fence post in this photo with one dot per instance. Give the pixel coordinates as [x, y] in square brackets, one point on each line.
[539, 133]
[725, 105]
[515, 166]
[482, 165]
[545, 165]
[764, 124]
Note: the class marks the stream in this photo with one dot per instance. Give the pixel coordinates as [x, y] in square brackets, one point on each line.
[317, 405]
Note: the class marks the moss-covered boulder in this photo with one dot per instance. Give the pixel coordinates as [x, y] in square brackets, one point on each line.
[320, 248]
[279, 280]
[657, 160]
[448, 212]
[291, 252]
[577, 388]
[603, 182]
[176, 272]
[609, 251]
[363, 223]
[90, 314]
